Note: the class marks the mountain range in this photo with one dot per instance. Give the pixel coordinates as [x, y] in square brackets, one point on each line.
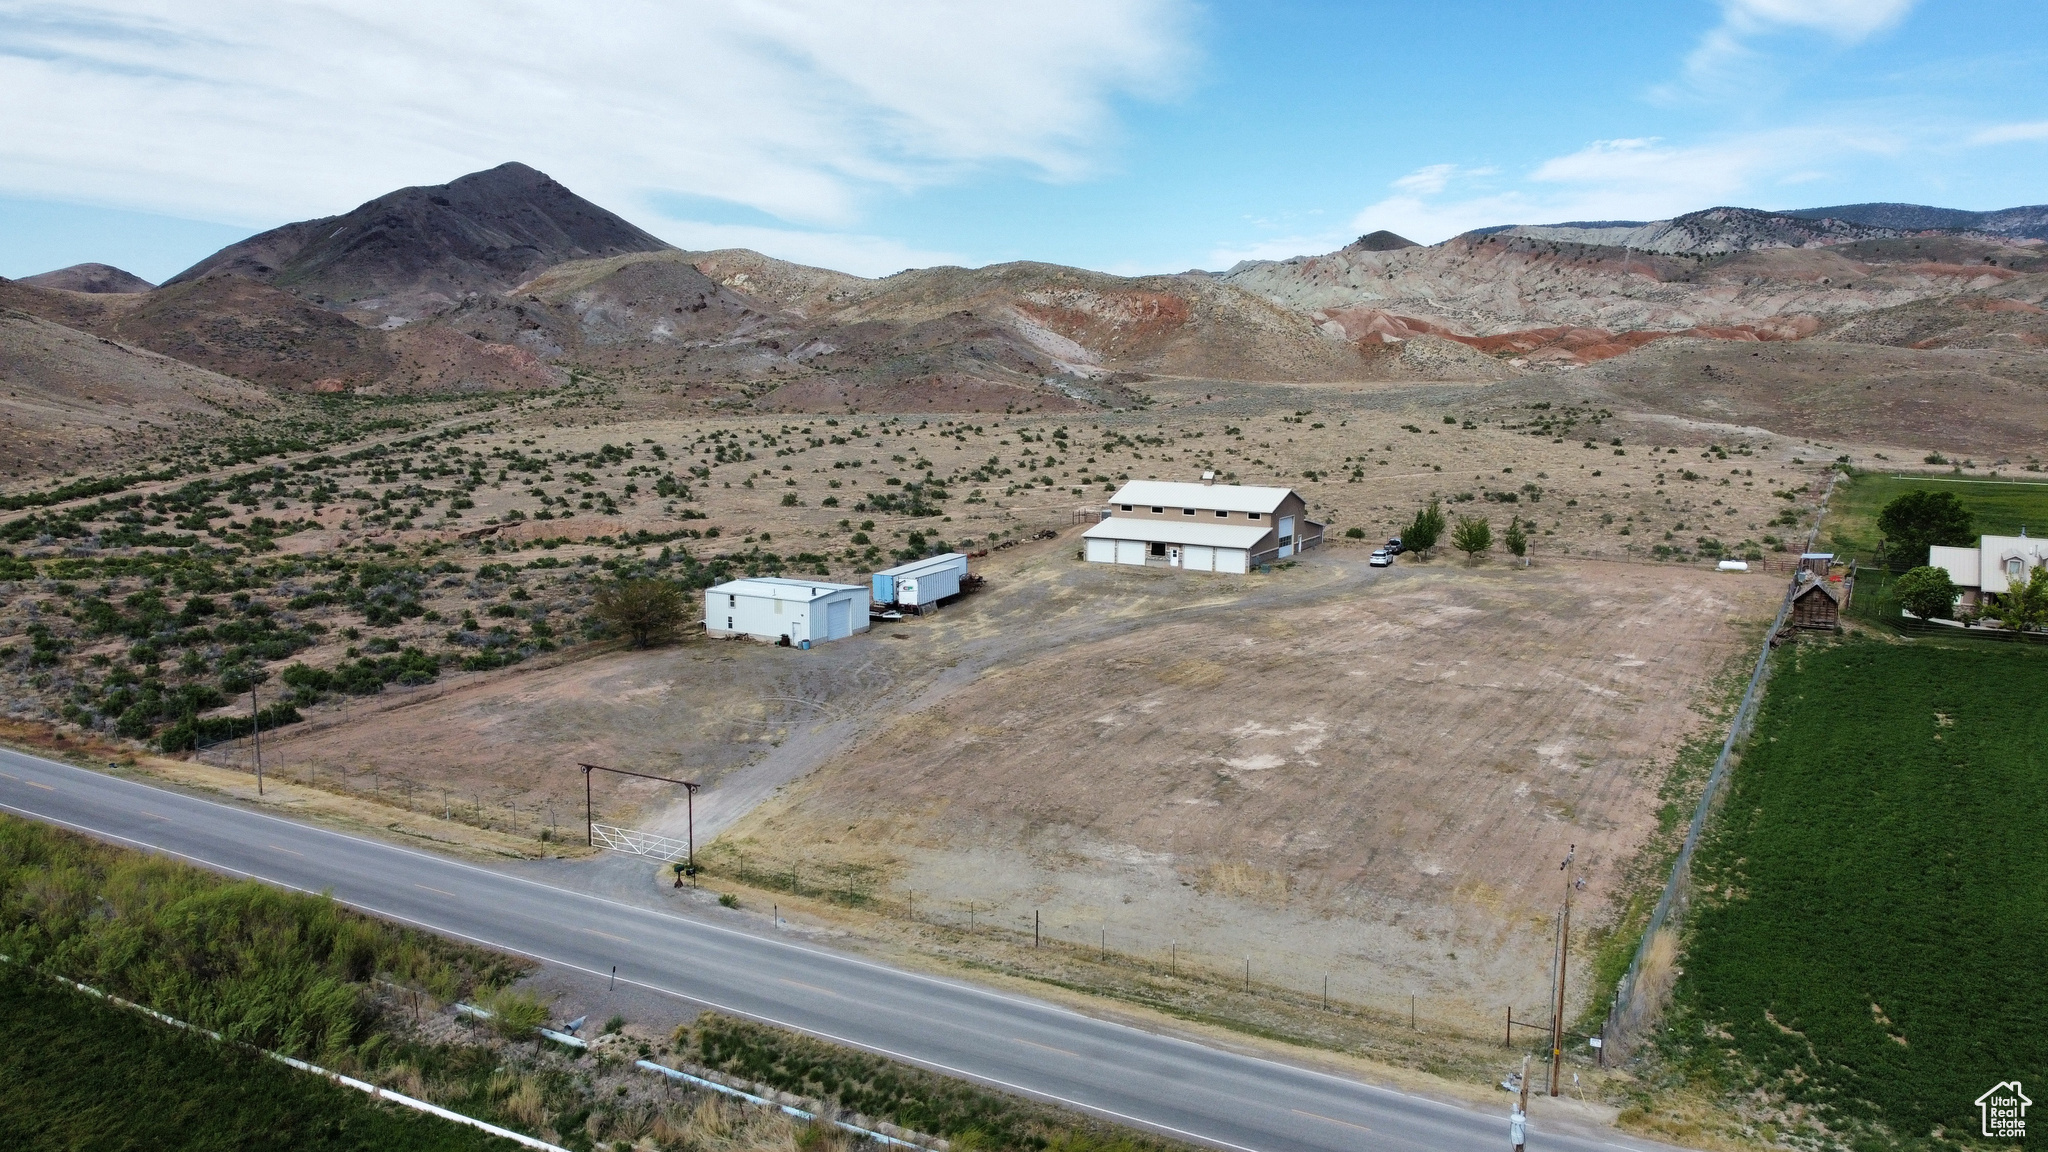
[507, 280]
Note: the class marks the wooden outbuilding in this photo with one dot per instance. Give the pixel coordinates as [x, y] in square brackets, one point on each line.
[1817, 605]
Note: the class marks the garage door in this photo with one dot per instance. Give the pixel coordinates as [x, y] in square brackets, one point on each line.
[1231, 560]
[1130, 551]
[838, 619]
[1197, 558]
[1102, 551]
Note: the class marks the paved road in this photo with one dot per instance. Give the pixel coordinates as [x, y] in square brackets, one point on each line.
[1168, 1084]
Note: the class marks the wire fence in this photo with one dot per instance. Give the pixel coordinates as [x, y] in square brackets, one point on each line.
[1144, 965]
[1640, 993]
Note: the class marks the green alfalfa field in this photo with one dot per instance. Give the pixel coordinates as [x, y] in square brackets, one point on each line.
[1868, 950]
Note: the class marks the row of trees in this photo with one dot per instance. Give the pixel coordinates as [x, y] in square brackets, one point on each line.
[1471, 535]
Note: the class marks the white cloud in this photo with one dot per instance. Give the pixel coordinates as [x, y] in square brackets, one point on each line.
[1727, 47]
[2011, 133]
[1427, 181]
[261, 111]
[1846, 20]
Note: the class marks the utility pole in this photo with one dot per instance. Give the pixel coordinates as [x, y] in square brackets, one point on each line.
[256, 736]
[1564, 940]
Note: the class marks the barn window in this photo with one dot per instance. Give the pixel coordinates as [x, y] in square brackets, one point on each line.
[728, 623]
[1127, 507]
[732, 601]
[1253, 515]
[1157, 511]
[1221, 513]
[1187, 511]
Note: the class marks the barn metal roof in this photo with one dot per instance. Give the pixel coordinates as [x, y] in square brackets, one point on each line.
[782, 588]
[1194, 532]
[1208, 497]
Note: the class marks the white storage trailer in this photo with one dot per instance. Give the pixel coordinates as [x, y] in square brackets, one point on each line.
[921, 583]
[774, 609]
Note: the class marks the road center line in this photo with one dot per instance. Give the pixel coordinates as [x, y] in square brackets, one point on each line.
[809, 987]
[154, 816]
[505, 946]
[33, 784]
[436, 891]
[286, 851]
[1047, 1047]
[607, 935]
[1329, 1119]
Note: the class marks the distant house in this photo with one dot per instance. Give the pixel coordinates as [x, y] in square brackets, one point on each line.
[1205, 527]
[1988, 569]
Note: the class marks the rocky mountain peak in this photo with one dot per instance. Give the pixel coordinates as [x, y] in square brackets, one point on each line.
[422, 250]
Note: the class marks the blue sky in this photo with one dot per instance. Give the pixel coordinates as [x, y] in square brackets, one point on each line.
[1126, 135]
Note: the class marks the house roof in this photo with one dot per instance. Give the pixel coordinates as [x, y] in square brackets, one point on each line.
[1823, 586]
[1196, 532]
[1208, 497]
[781, 588]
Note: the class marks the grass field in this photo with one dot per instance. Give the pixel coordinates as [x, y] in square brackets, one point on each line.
[2001, 508]
[82, 1073]
[1872, 916]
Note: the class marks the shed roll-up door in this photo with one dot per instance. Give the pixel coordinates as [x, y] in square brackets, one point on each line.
[1102, 551]
[1232, 560]
[1198, 558]
[838, 619]
[1130, 552]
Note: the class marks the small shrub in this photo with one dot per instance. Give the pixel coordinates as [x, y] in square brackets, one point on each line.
[515, 1015]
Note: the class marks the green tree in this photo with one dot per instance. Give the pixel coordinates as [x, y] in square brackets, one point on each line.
[1472, 536]
[1425, 530]
[1516, 538]
[2024, 604]
[645, 611]
[1926, 592]
[1917, 519]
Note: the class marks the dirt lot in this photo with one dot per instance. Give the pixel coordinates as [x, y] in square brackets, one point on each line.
[1372, 781]
[1329, 769]
[1326, 769]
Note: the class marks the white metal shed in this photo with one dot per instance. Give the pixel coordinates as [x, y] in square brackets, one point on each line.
[1165, 543]
[770, 608]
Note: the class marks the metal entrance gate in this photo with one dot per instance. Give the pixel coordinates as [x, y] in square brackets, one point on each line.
[639, 843]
